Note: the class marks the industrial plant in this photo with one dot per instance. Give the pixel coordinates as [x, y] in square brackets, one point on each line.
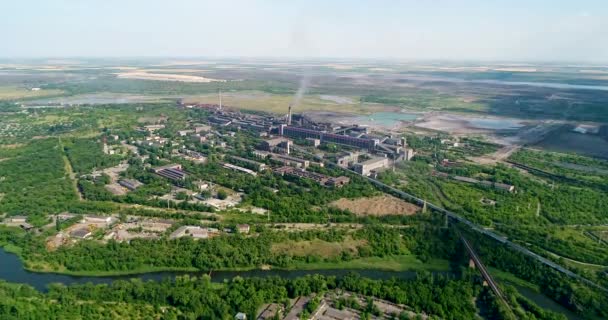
[381, 150]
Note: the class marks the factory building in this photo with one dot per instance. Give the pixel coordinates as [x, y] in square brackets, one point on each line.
[258, 166]
[367, 167]
[130, 184]
[276, 144]
[290, 161]
[324, 137]
[237, 168]
[171, 171]
[346, 159]
[317, 177]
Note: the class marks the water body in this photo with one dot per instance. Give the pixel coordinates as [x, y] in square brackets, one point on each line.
[386, 119]
[495, 124]
[11, 270]
[546, 303]
[554, 85]
[101, 98]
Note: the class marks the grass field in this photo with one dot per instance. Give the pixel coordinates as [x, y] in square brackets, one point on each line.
[12, 93]
[278, 103]
[389, 263]
[512, 279]
[317, 247]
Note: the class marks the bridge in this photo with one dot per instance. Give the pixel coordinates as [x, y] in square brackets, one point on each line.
[482, 269]
[456, 217]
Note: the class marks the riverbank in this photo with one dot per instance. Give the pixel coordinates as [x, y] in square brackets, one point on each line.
[401, 263]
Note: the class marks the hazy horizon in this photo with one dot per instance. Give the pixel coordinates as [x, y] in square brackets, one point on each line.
[441, 30]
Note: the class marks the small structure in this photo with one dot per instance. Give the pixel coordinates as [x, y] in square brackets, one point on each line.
[183, 133]
[130, 184]
[97, 219]
[171, 171]
[338, 182]
[290, 161]
[314, 142]
[243, 228]
[237, 168]
[345, 159]
[195, 156]
[64, 216]
[201, 185]
[240, 316]
[18, 219]
[270, 312]
[80, 233]
[332, 313]
[258, 166]
[153, 127]
[202, 128]
[195, 232]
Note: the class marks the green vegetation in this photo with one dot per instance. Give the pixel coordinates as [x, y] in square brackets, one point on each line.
[233, 252]
[34, 181]
[552, 210]
[190, 297]
[87, 155]
[14, 93]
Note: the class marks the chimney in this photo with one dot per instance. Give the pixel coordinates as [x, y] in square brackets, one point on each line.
[220, 94]
[289, 116]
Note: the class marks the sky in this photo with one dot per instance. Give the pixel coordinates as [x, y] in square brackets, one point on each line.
[513, 30]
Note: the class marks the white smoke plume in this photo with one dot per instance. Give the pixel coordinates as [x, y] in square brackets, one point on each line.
[304, 82]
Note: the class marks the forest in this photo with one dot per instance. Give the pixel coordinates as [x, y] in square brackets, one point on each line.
[199, 298]
[34, 180]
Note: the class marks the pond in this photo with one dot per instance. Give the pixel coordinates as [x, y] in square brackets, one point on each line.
[546, 303]
[495, 124]
[386, 119]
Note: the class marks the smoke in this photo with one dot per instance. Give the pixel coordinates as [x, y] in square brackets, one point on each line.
[304, 82]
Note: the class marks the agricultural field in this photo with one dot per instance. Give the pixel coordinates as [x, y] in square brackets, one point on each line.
[16, 93]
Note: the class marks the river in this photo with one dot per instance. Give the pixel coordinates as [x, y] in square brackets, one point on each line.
[11, 270]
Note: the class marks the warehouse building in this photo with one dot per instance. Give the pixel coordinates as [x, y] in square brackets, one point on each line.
[367, 167]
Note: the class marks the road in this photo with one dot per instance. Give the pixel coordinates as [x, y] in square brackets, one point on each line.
[455, 217]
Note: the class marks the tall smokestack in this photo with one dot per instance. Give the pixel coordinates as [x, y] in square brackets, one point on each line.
[289, 116]
[220, 94]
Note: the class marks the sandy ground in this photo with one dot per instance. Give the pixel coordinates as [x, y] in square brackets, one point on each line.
[336, 99]
[165, 77]
[376, 206]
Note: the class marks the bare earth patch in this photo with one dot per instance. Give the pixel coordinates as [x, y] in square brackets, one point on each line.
[164, 77]
[376, 206]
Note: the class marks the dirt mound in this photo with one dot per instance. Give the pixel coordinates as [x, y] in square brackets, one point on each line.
[376, 206]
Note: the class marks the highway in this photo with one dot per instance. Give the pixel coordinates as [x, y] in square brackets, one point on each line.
[464, 221]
